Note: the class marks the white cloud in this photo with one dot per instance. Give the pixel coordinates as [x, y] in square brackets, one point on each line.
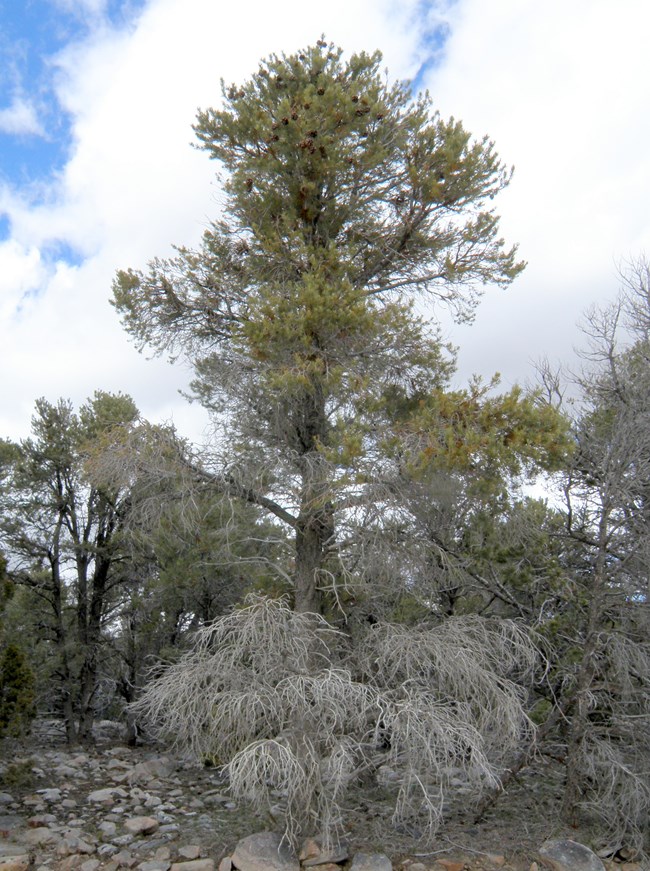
[560, 87]
[21, 273]
[133, 185]
[20, 118]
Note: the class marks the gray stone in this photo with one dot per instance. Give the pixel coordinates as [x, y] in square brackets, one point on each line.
[105, 796]
[124, 859]
[9, 851]
[5, 798]
[39, 837]
[72, 844]
[264, 851]
[152, 769]
[39, 820]
[371, 862]
[18, 862]
[108, 830]
[68, 771]
[141, 825]
[190, 852]
[107, 850]
[50, 794]
[196, 865]
[154, 865]
[10, 823]
[569, 856]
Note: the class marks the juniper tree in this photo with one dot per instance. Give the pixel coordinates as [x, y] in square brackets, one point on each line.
[62, 534]
[606, 488]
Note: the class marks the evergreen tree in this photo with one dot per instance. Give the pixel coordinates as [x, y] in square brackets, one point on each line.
[17, 708]
[346, 198]
[347, 202]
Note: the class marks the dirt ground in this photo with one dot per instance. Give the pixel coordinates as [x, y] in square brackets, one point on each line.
[507, 837]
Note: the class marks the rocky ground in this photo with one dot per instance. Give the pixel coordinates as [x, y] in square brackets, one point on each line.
[112, 807]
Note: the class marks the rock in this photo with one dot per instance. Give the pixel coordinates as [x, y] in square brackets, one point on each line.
[450, 864]
[264, 851]
[72, 844]
[108, 830]
[152, 769]
[50, 794]
[105, 796]
[152, 801]
[18, 862]
[9, 824]
[190, 852]
[40, 821]
[497, 860]
[312, 853]
[40, 836]
[107, 849]
[124, 859]
[68, 771]
[90, 865]
[225, 864]
[141, 825]
[6, 798]
[71, 863]
[417, 866]
[567, 855]
[196, 865]
[371, 862]
[154, 865]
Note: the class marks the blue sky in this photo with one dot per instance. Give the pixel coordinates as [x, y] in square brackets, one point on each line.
[34, 131]
[97, 98]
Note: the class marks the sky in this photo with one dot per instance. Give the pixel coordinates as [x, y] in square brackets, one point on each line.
[97, 171]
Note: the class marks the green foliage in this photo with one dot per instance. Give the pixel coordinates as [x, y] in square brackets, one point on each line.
[19, 774]
[346, 198]
[17, 708]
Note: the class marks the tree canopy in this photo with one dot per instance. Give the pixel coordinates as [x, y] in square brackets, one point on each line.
[345, 199]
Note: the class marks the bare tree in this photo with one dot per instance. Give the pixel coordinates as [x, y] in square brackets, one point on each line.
[290, 708]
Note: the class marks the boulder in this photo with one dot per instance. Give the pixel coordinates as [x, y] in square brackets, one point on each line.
[264, 851]
[564, 855]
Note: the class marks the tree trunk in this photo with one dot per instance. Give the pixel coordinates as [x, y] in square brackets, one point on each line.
[92, 642]
[313, 531]
[579, 718]
[315, 526]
